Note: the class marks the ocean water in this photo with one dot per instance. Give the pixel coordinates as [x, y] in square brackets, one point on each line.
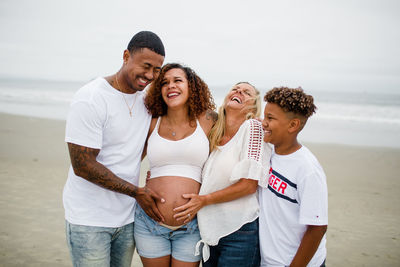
[352, 118]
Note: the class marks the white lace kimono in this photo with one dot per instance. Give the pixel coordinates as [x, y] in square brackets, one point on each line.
[244, 156]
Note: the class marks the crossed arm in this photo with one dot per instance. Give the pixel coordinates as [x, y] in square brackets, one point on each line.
[85, 165]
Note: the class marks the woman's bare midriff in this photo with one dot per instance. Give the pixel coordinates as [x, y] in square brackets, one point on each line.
[171, 188]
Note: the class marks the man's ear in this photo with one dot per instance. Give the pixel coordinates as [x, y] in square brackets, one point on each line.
[126, 56]
[294, 125]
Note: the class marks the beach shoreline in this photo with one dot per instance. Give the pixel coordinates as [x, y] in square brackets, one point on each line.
[363, 190]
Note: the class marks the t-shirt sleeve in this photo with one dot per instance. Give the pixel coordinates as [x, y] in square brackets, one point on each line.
[84, 126]
[250, 156]
[313, 196]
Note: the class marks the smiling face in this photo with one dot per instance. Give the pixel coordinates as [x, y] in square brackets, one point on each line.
[175, 88]
[241, 97]
[276, 124]
[141, 68]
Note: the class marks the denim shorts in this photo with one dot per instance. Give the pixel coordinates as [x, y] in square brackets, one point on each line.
[154, 241]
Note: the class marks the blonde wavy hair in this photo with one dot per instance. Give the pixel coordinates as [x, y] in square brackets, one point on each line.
[218, 131]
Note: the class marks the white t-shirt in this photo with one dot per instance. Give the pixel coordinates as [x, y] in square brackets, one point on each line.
[295, 195]
[99, 118]
[241, 157]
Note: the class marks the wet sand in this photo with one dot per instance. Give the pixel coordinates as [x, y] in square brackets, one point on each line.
[363, 184]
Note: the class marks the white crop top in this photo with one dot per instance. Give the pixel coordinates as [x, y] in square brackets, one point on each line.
[184, 157]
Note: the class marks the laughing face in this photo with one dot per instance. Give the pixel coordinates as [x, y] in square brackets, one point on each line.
[175, 88]
[141, 68]
[275, 124]
[241, 97]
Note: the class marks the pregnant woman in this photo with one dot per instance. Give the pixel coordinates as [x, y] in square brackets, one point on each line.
[177, 147]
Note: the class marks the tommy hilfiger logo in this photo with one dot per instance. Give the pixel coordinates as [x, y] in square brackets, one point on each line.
[279, 185]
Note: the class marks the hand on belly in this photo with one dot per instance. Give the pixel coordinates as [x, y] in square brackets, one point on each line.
[171, 188]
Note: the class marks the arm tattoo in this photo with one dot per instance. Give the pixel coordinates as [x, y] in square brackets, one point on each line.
[85, 165]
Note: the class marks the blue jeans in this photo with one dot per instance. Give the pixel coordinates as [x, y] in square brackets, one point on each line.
[100, 246]
[241, 248]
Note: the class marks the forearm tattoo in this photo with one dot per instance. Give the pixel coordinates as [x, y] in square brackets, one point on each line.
[85, 165]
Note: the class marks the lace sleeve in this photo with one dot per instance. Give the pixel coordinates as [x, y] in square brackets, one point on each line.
[250, 159]
[254, 144]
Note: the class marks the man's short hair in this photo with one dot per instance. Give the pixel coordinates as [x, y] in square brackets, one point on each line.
[146, 39]
[292, 100]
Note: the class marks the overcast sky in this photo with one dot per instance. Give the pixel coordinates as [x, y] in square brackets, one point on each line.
[322, 45]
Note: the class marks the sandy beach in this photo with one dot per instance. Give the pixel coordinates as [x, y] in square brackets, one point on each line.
[363, 184]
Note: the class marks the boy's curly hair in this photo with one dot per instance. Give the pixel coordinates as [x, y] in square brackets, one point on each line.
[292, 100]
[200, 98]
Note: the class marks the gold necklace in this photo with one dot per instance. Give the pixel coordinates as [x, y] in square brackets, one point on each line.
[123, 95]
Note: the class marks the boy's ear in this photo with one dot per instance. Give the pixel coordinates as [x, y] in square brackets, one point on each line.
[294, 125]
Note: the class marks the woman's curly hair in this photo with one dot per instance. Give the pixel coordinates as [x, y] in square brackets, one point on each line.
[292, 100]
[200, 98]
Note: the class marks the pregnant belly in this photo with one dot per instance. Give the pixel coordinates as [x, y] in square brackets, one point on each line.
[171, 188]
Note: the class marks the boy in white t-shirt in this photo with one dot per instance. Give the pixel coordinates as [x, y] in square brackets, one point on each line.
[293, 197]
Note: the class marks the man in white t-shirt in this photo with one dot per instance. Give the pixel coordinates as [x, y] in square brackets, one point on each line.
[106, 131]
[293, 196]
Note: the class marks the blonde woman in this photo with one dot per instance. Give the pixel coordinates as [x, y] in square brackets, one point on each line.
[227, 206]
